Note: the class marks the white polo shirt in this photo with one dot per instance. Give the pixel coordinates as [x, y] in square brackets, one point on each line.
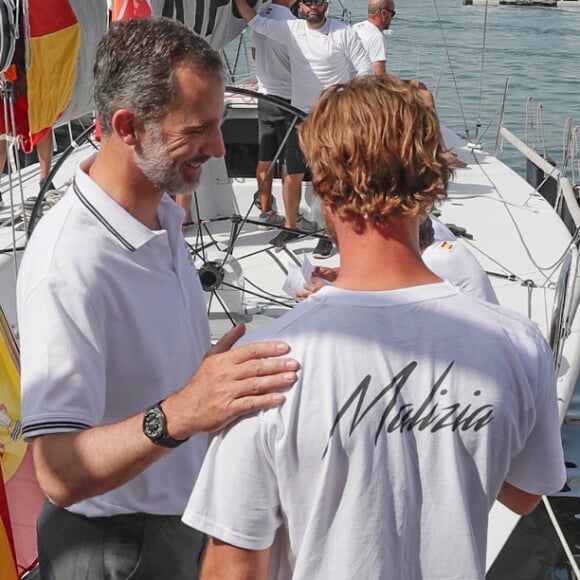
[112, 320]
[373, 39]
[319, 57]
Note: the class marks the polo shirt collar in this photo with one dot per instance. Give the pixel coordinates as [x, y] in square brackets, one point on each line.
[128, 231]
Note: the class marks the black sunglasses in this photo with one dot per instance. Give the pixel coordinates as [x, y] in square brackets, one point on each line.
[391, 12]
[310, 2]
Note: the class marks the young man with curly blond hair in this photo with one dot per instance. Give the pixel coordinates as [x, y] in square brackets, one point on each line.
[416, 406]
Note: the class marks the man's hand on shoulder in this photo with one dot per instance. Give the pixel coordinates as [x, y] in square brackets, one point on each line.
[231, 383]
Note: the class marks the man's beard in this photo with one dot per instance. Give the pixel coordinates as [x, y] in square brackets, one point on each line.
[158, 168]
[315, 19]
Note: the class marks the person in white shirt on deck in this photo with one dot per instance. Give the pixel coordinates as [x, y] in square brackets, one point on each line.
[452, 261]
[274, 79]
[371, 32]
[323, 52]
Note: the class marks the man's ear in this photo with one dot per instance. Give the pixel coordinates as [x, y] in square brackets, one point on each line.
[126, 126]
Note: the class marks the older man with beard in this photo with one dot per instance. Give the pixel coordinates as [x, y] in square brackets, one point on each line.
[118, 386]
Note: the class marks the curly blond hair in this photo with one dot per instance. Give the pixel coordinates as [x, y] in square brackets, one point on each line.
[375, 151]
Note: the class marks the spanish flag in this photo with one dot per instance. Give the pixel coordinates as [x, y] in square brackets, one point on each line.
[7, 554]
[21, 497]
[52, 54]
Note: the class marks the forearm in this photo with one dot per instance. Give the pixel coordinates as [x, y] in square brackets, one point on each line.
[226, 562]
[228, 384]
[517, 500]
[74, 466]
[246, 11]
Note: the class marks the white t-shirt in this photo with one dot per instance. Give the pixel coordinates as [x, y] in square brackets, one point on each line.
[319, 57]
[452, 261]
[441, 231]
[272, 60]
[412, 408]
[112, 320]
[373, 40]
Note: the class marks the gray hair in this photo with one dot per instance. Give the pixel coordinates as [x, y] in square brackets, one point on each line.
[135, 67]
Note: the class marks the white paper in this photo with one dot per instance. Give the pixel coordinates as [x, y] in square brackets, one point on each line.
[297, 277]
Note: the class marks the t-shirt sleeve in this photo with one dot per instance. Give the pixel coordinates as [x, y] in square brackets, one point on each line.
[235, 498]
[357, 54]
[539, 467]
[376, 49]
[275, 29]
[61, 350]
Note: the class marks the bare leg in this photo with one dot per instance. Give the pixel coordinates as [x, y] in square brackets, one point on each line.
[44, 152]
[265, 185]
[292, 193]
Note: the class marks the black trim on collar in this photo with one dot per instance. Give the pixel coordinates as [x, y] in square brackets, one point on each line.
[99, 217]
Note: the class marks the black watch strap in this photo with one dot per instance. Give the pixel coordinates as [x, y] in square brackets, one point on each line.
[155, 427]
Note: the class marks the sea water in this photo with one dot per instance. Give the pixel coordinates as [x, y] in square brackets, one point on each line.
[467, 54]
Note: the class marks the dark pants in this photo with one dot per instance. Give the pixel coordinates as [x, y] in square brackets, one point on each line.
[133, 546]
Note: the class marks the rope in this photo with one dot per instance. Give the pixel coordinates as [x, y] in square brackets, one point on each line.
[540, 125]
[546, 271]
[448, 55]
[482, 69]
[561, 537]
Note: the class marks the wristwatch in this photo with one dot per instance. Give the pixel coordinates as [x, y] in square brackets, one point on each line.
[155, 427]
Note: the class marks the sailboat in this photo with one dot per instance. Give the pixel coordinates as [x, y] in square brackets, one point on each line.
[525, 235]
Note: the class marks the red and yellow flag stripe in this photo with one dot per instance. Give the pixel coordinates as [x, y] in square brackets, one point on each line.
[55, 41]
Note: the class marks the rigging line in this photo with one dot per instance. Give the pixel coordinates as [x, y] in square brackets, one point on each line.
[482, 65]
[529, 123]
[448, 55]
[540, 125]
[11, 144]
[506, 205]
[561, 537]
[513, 275]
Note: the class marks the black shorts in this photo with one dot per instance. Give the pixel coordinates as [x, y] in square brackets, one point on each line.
[295, 160]
[272, 127]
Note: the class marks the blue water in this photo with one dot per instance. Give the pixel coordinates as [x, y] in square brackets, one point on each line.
[442, 43]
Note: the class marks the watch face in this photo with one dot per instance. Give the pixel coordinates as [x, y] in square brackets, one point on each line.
[153, 423]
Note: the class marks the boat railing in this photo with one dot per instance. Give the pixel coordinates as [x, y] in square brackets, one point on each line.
[566, 202]
[567, 289]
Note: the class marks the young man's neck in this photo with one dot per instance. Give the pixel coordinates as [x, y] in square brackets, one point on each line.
[381, 259]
